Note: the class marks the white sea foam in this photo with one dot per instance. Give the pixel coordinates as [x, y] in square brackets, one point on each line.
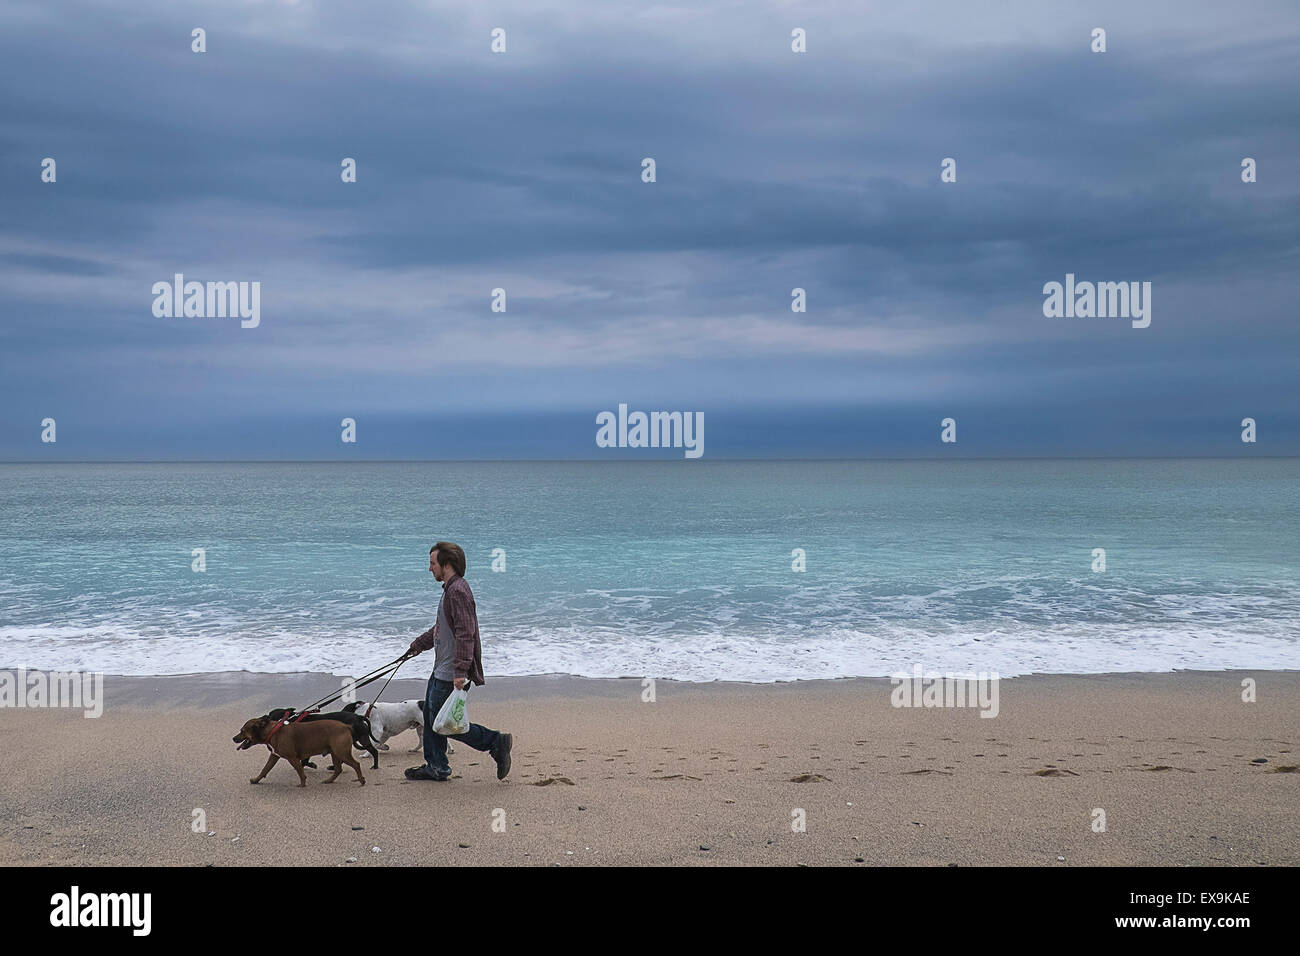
[959, 565]
[705, 656]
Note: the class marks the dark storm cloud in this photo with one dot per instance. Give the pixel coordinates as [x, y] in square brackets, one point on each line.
[522, 171]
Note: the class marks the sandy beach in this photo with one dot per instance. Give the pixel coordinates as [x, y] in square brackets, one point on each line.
[707, 774]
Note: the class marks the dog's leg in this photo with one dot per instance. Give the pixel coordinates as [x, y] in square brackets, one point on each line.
[344, 756]
[297, 765]
[352, 762]
[419, 739]
[271, 761]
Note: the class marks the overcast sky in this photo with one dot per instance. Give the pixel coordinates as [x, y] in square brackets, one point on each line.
[522, 171]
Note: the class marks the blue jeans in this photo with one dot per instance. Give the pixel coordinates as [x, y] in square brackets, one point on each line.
[435, 745]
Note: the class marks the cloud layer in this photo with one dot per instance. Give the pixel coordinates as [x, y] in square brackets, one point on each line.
[522, 171]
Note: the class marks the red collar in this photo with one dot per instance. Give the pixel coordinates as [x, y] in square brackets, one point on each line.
[280, 723]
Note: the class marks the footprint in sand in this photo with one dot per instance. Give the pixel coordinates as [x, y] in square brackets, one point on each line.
[809, 778]
[1054, 772]
[547, 781]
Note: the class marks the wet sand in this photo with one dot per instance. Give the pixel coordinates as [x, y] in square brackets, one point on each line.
[705, 774]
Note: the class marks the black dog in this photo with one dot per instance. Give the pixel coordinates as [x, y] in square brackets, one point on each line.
[360, 727]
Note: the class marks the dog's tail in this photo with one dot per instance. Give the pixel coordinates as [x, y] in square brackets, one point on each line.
[363, 733]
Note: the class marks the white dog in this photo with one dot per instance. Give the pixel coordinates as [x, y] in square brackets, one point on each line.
[389, 720]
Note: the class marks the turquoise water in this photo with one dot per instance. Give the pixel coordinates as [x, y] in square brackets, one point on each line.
[667, 569]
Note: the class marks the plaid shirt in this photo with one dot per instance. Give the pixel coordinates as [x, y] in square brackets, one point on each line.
[463, 618]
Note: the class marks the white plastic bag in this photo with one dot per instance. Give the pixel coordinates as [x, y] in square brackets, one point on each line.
[452, 718]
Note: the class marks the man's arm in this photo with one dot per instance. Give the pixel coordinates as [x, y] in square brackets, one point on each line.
[423, 642]
[464, 622]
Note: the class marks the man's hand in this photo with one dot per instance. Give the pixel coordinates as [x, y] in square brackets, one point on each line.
[410, 652]
[460, 683]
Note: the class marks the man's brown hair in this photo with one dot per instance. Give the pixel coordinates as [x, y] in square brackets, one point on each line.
[452, 554]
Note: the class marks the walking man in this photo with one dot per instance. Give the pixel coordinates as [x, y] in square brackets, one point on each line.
[457, 660]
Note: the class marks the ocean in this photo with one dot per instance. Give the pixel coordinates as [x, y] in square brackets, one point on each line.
[668, 569]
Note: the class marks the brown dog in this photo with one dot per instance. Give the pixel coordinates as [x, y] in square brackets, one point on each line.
[297, 741]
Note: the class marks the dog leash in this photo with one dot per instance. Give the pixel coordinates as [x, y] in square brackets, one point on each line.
[390, 668]
[382, 689]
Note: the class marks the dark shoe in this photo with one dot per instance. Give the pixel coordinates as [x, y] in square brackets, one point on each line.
[423, 772]
[501, 754]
